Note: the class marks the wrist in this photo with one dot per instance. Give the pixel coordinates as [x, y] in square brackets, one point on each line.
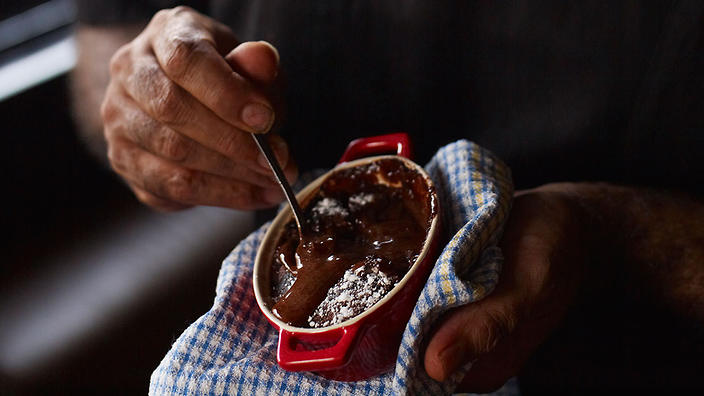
[597, 229]
[641, 244]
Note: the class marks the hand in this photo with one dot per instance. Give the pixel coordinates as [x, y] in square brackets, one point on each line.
[182, 100]
[542, 270]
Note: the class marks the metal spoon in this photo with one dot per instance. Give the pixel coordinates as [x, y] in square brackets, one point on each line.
[276, 168]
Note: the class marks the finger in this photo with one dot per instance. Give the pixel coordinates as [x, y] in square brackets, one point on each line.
[187, 53]
[155, 202]
[145, 82]
[174, 183]
[469, 332]
[259, 63]
[223, 36]
[256, 60]
[168, 144]
[540, 286]
[291, 172]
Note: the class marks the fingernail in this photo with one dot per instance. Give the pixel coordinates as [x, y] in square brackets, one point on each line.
[258, 116]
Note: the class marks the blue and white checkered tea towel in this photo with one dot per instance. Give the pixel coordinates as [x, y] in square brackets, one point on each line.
[231, 349]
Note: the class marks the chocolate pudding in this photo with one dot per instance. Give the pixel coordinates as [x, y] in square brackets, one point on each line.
[363, 230]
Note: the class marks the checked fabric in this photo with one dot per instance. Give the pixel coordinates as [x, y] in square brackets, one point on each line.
[231, 349]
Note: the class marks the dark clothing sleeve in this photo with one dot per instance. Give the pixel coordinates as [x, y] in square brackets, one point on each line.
[607, 91]
[665, 138]
[106, 12]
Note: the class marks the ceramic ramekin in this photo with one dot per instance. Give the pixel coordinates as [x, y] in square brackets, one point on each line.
[367, 344]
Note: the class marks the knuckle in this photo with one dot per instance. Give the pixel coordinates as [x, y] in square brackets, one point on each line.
[182, 9]
[167, 106]
[230, 144]
[118, 60]
[495, 325]
[166, 14]
[116, 156]
[146, 79]
[173, 146]
[145, 198]
[485, 337]
[181, 54]
[161, 15]
[113, 156]
[108, 111]
[501, 323]
[179, 186]
[151, 200]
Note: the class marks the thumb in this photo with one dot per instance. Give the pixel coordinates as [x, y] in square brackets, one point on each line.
[256, 60]
[469, 332]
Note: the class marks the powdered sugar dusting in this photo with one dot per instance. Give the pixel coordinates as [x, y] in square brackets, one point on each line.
[357, 201]
[358, 290]
[329, 207]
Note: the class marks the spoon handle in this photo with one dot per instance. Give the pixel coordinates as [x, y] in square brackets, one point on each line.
[276, 168]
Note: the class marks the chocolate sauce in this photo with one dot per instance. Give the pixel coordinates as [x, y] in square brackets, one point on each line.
[363, 230]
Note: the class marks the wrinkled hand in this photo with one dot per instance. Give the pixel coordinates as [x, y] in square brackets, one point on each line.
[182, 98]
[543, 251]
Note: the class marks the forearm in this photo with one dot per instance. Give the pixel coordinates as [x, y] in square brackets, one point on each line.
[90, 78]
[652, 242]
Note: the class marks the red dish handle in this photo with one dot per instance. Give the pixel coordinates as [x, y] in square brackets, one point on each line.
[398, 143]
[336, 356]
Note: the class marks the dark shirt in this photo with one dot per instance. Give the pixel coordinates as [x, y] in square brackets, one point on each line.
[562, 91]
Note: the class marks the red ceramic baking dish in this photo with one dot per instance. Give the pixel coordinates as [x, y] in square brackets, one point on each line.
[367, 344]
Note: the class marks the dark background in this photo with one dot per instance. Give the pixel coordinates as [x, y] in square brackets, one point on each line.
[70, 224]
[68, 215]
[58, 197]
